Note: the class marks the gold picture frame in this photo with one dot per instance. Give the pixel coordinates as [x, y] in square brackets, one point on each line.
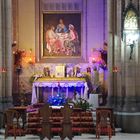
[63, 48]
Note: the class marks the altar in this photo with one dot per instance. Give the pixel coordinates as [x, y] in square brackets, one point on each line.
[59, 82]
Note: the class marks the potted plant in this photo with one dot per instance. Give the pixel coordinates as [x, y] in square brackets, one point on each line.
[34, 77]
[94, 95]
[82, 103]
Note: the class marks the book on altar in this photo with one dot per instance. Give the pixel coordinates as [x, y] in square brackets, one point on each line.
[60, 70]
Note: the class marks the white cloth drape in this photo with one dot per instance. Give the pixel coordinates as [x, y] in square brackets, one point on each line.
[65, 84]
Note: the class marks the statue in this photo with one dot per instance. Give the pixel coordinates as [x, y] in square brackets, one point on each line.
[46, 71]
[132, 45]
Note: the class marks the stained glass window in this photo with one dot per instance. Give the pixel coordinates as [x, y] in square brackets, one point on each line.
[131, 21]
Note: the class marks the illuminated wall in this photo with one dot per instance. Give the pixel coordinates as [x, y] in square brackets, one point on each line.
[95, 34]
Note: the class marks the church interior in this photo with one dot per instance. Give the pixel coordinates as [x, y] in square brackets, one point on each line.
[69, 69]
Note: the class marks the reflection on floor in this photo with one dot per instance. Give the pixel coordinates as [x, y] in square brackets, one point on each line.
[119, 136]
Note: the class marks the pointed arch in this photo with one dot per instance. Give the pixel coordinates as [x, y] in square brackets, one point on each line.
[130, 10]
[131, 20]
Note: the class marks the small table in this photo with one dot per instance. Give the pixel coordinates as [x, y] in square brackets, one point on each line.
[103, 111]
[22, 112]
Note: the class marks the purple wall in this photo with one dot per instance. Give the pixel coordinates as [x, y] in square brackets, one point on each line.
[96, 24]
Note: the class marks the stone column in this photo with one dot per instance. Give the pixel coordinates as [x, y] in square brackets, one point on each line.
[8, 46]
[127, 111]
[6, 54]
[0, 50]
[138, 69]
[1, 56]
[110, 15]
[0, 63]
[118, 59]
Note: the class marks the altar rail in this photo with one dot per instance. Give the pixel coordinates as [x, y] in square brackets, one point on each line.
[82, 121]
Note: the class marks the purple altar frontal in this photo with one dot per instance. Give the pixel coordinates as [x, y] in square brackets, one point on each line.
[52, 86]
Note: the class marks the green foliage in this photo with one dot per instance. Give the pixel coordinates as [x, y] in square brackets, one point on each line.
[82, 103]
[32, 78]
[89, 82]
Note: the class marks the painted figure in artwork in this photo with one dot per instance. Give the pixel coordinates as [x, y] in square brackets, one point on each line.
[52, 41]
[61, 36]
[61, 28]
[62, 33]
[65, 42]
[72, 42]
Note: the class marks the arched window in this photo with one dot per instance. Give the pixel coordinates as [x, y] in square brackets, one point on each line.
[131, 26]
[131, 32]
[131, 21]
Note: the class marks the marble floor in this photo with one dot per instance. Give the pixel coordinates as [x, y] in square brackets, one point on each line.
[118, 136]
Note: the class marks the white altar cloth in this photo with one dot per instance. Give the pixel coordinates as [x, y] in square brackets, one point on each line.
[56, 82]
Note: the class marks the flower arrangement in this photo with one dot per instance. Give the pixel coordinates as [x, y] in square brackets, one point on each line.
[18, 54]
[57, 100]
[34, 77]
[99, 58]
[82, 103]
[103, 62]
[87, 77]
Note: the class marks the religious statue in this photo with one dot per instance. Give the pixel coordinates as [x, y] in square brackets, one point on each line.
[132, 45]
[77, 72]
[89, 70]
[95, 76]
[46, 71]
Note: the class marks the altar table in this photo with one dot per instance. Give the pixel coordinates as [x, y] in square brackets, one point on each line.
[56, 82]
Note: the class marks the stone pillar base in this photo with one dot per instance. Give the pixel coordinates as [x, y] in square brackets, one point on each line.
[5, 103]
[110, 101]
[1, 120]
[130, 104]
[128, 114]
[129, 122]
